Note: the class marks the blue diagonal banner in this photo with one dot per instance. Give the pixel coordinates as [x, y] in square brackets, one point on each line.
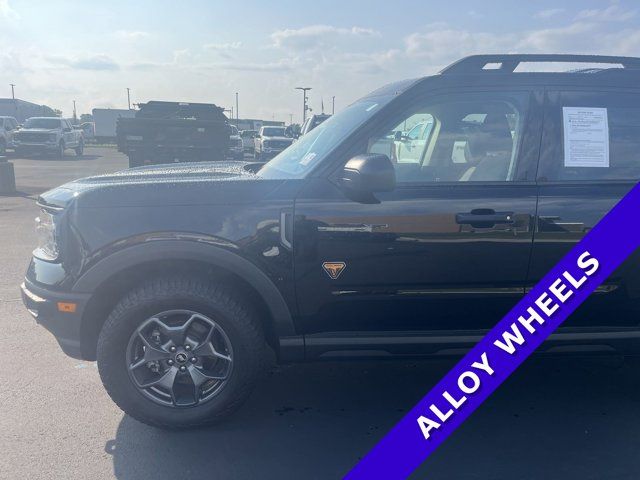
[507, 345]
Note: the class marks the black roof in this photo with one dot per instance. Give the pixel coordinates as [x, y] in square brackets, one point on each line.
[508, 63]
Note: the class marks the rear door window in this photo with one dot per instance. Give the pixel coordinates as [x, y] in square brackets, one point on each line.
[591, 136]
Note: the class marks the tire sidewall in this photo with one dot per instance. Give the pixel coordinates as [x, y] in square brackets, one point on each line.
[112, 346]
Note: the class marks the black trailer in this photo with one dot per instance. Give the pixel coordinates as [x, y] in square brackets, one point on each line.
[168, 132]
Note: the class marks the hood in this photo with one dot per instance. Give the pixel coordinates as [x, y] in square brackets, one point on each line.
[164, 185]
[39, 130]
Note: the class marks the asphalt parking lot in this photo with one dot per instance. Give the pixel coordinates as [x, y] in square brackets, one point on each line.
[555, 418]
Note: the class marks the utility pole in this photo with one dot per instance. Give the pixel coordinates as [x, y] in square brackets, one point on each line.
[304, 101]
[333, 105]
[13, 96]
[237, 111]
[291, 119]
[129, 97]
[75, 116]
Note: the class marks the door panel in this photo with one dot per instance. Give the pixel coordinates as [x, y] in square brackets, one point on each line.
[409, 265]
[573, 199]
[443, 251]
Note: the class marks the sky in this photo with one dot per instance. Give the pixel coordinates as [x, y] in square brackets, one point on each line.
[58, 51]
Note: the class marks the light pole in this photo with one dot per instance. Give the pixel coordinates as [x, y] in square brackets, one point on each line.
[291, 119]
[75, 116]
[333, 105]
[129, 97]
[237, 111]
[13, 95]
[304, 101]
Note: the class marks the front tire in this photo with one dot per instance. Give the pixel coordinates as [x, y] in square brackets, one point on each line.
[180, 352]
[3, 148]
[60, 151]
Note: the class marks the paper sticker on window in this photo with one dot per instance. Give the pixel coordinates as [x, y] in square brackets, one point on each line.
[586, 137]
[308, 158]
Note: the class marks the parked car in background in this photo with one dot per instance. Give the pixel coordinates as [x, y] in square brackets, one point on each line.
[236, 147]
[410, 145]
[248, 139]
[270, 142]
[49, 135]
[312, 122]
[8, 128]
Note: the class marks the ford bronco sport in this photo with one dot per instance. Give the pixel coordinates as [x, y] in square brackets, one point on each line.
[349, 243]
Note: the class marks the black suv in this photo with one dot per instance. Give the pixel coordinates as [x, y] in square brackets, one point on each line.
[407, 224]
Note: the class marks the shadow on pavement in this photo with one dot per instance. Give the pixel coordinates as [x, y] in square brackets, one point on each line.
[556, 418]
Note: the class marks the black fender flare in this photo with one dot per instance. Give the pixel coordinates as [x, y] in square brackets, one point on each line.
[202, 252]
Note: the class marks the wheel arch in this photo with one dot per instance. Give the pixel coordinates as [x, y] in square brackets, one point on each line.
[112, 276]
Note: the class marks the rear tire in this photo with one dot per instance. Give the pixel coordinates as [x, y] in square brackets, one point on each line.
[154, 300]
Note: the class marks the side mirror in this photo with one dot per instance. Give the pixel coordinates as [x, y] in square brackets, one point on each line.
[367, 174]
[397, 136]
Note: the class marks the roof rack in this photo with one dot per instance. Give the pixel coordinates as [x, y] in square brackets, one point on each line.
[509, 62]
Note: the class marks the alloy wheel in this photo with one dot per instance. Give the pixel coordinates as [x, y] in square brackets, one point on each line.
[179, 358]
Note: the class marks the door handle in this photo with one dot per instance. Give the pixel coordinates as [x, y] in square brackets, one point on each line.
[484, 218]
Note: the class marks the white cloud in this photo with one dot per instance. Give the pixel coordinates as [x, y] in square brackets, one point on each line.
[318, 36]
[131, 36]
[549, 13]
[99, 62]
[6, 12]
[613, 13]
[223, 46]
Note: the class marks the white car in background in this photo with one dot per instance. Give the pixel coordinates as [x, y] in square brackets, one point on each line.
[50, 135]
[270, 142]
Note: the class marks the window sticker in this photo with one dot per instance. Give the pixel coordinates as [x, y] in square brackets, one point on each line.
[586, 137]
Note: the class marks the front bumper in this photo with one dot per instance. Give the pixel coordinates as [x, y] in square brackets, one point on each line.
[35, 147]
[46, 305]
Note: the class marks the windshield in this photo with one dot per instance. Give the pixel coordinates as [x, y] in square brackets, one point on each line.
[42, 123]
[300, 158]
[273, 132]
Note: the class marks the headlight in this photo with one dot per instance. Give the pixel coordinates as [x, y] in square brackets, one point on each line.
[52, 137]
[46, 232]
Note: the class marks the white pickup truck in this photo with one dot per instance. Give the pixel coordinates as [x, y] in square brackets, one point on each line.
[270, 142]
[8, 127]
[50, 135]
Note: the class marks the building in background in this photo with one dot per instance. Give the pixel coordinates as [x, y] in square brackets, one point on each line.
[21, 110]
